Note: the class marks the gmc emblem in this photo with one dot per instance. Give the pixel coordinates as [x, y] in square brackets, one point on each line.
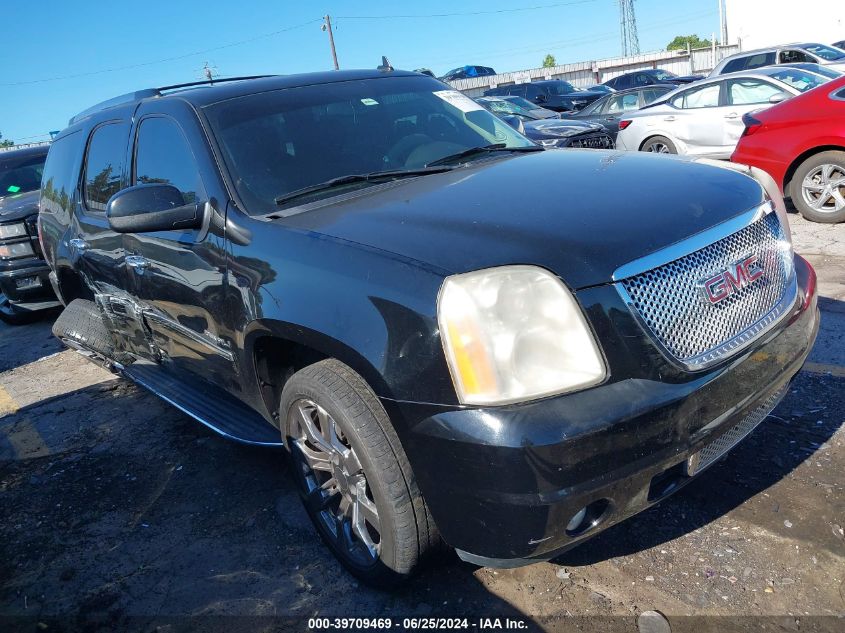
[727, 282]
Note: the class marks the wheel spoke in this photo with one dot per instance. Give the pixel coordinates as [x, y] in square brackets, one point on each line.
[827, 171]
[317, 460]
[838, 200]
[811, 185]
[317, 500]
[311, 431]
[359, 526]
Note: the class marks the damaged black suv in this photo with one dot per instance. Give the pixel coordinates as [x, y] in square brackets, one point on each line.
[369, 269]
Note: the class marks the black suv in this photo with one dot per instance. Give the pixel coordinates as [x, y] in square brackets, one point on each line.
[376, 272]
[24, 285]
[554, 94]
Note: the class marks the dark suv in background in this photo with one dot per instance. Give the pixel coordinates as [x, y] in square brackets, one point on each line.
[554, 94]
[451, 333]
[649, 77]
[24, 285]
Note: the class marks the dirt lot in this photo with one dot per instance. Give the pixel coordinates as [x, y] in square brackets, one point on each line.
[118, 512]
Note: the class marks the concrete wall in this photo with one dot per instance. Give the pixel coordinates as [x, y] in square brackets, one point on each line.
[583, 74]
[759, 23]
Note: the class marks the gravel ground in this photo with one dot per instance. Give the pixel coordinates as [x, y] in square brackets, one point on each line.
[120, 513]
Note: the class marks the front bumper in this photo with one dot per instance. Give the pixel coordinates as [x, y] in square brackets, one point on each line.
[25, 284]
[502, 483]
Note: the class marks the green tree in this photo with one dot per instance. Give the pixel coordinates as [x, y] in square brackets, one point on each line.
[4, 142]
[549, 61]
[680, 43]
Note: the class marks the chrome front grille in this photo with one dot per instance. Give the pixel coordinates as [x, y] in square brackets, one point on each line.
[725, 442]
[671, 301]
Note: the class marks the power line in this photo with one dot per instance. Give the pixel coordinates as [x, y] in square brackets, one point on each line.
[463, 14]
[161, 61]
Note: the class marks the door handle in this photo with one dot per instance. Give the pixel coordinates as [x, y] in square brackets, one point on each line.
[79, 244]
[137, 263]
[732, 115]
[669, 118]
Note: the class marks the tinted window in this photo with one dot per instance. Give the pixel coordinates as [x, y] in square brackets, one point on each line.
[530, 91]
[61, 173]
[749, 91]
[652, 94]
[163, 155]
[559, 88]
[20, 173]
[104, 164]
[663, 75]
[624, 82]
[276, 142]
[794, 57]
[642, 79]
[749, 61]
[703, 97]
[623, 103]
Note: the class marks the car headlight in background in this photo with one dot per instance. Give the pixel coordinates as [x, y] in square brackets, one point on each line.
[515, 333]
[21, 249]
[12, 230]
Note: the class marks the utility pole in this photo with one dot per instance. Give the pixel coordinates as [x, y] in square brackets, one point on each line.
[327, 26]
[721, 23]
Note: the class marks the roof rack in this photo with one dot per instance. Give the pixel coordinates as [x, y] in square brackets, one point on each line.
[12, 148]
[130, 97]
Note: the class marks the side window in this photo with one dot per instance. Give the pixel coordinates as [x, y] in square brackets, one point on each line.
[703, 97]
[641, 79]
[750, 91]
[651, 94]
[794, 57]
[163, 155]
[61, 174]
[735, 65]
[623, 103]
[760, 60]
[531, 92]
[104, 164]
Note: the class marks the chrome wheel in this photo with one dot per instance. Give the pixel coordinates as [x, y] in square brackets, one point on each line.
[823, 188]
[658, 148]
[334, 484]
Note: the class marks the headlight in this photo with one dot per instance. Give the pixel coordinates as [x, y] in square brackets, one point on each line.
[12, 230]
[21, 249]
[515, 333]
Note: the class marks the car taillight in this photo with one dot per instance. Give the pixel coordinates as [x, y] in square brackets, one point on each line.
[751, 124]
[624, 123]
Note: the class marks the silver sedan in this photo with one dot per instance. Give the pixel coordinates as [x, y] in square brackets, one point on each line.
[705, 118]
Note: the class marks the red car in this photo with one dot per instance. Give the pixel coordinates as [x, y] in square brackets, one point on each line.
[801, 144]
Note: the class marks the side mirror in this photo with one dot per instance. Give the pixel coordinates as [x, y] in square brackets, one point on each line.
[778, 97]
[152, 207]
[514, 121]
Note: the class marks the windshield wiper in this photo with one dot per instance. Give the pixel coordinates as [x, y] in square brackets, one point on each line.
[486, 149]
[374, 176]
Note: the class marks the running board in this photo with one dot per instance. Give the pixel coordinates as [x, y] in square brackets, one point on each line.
[205, 403]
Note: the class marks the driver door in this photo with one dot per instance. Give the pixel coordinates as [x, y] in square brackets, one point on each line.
[178, 276]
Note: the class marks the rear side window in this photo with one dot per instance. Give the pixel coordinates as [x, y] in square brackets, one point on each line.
[652, 94]
[703, 97]
[104, 164]
[164, 156]
[623, 103]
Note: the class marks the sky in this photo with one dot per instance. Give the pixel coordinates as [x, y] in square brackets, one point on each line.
[67, 56]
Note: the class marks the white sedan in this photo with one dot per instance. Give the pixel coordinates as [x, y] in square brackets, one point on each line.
[705, 118]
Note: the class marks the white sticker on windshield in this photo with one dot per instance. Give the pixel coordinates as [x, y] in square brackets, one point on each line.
[459, 100]
[369, 101]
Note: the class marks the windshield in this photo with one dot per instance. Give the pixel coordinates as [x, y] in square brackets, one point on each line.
[560, 87]
[21, 174]
[825, 52]
[502, 106]
[281, 141]
[523, 103]
[820, 70]
[663, 75]
[799, 79]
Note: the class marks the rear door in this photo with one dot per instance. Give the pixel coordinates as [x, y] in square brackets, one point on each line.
[698, 120]
[98, 251]
[615, 107]
[179, 276]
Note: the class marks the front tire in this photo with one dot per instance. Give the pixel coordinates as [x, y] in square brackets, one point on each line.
[817, 187]
[353, 476]
[659, 145]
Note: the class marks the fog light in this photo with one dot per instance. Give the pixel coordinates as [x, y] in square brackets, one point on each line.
[25, 283]
[587, 517]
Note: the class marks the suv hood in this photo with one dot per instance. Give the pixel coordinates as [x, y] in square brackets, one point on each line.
[578, 213]
[18, 206]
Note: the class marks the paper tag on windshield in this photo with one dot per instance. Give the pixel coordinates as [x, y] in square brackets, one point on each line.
[459, 100]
